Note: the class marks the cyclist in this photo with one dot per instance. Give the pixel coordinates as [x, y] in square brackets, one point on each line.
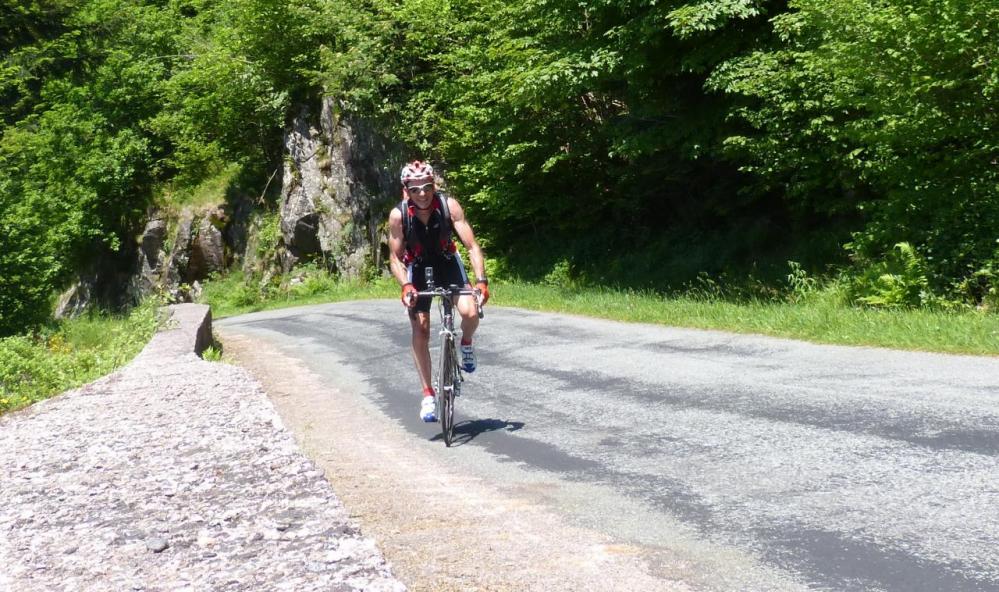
[420, 236]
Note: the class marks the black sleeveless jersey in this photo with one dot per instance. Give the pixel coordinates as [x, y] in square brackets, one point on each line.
[430, 242]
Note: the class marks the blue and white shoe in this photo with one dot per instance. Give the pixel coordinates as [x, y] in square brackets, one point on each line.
[467, 358]
[428, 409]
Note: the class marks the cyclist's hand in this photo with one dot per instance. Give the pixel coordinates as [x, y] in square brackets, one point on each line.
[409, 295]
[483, 292]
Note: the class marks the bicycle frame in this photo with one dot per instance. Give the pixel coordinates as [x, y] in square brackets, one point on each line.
[447, 383]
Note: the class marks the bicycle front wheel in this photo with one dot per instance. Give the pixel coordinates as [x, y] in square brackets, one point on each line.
[445, 397]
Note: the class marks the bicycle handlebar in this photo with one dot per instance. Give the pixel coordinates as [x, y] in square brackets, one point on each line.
[455, 291]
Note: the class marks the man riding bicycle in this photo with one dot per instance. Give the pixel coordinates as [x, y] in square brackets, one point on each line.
[420, 236]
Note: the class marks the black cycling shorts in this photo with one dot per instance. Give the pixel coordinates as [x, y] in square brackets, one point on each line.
[446, 272]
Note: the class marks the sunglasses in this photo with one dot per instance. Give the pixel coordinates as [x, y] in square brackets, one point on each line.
[414, 189]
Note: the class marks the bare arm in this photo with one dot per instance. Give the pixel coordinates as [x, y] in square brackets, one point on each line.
[397, 248]
[464, 230]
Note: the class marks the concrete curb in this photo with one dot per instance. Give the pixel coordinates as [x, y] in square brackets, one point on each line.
[188, 330]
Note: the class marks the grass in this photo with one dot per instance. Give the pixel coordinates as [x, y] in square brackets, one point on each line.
[210, 192]
[819, 320]
[235, 294]
[817, 317]
[70, 353]
[77, 351]
[212, 354]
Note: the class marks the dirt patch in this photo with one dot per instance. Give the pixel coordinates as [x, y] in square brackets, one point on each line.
[441, 528]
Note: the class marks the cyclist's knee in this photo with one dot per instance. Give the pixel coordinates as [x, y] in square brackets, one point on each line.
[421, 326]
[466, 307]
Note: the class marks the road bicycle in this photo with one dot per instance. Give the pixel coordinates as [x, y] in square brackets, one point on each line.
[449, 377]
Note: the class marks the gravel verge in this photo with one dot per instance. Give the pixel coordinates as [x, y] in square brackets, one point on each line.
[171, 474]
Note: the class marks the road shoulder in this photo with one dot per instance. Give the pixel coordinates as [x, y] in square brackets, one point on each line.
[441, 528]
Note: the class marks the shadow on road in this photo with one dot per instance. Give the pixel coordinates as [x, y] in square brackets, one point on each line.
[466, 431]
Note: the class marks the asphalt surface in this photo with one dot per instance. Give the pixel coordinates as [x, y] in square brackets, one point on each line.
[835, 468]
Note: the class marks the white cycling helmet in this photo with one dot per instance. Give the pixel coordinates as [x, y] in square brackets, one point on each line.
[415, 170]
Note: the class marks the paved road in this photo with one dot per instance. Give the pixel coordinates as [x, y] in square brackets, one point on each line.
[837, 468]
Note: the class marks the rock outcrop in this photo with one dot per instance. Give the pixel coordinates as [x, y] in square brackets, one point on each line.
[77, 297]
[150, 257]
[338, 185]
[196, 249]
[207, 248]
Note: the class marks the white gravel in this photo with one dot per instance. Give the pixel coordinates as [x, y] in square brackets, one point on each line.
[171, 474]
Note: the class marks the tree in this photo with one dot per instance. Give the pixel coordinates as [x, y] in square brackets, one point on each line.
[884, 107]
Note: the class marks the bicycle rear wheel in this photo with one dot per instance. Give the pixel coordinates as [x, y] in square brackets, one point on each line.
[447, 385]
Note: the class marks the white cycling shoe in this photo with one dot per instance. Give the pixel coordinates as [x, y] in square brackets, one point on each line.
[428, 409]
[467, 358]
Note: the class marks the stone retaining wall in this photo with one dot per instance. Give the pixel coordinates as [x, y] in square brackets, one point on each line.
[171, 474]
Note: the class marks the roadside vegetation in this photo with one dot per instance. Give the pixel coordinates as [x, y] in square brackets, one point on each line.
[67, 354]
[801, 309]
[70, 353]
[237, 293]
[647, 160]
[821, 318]
[717, 134]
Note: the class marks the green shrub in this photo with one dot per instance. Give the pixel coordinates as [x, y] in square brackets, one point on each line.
[898, 280]
[982, 287]
[233, 290]
[562, 275]
[66, 355]
[312, 280]
[212, 354]
[883, 113]
[802, 286]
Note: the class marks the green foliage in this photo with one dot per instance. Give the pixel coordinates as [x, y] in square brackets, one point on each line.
[66, 355]
[269, 234]
[311, 280]
[76, 163]
[899, 280]
[581, 115]
[70, 183]
[104, 100]
[212, 354]
[562, 275]
[819, 319]
[888, 109]
[638, 143]
[36, 40]
[236, 293]
[802, 286]
[232, 291]
[210, 191]
[560, 120]
[982, 286]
